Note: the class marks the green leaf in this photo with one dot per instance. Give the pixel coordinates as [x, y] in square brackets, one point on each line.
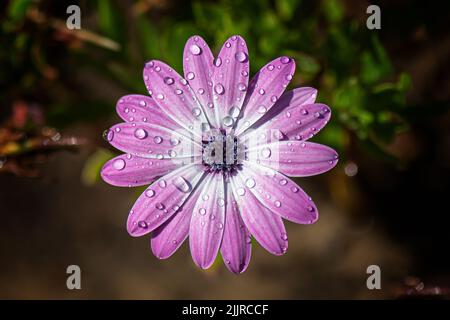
[17, 9]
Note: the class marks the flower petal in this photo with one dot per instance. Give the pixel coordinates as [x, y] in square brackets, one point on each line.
[236, 243]
[162, 199]
[278, 193]
[264, 90]
[267, 227]
[290, 101]
[139, 108]
[132, 171]
[207, 222]
[152, 141]
[198, 69]
[294, 158]
[167, 238]
[174, 95]
[230, 80]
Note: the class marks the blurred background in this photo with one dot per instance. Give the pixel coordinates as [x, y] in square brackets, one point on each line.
[386, 203]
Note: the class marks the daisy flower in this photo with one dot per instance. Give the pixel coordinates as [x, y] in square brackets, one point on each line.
[216, 150]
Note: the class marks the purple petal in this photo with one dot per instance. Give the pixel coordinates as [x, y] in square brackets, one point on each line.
[139, 108]
[152, 141]
[162, 199]
[278, 193]
[265, 226]
[295, 158]
[236, 245]
[230, 80]
[198, 69]
[132, 171]
[207, 222]
[292, 100]
[264, 90]
[167, 238]
[174, 95]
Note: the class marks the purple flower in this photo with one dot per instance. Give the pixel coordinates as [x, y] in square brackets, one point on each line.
[216, 151]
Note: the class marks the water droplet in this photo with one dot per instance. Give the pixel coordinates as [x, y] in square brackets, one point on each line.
[262, 109]
[274, 99]
[142, 224]
[157, 139]
[140, 133]
[168, 80]
[190, 75]
[294, 189]
[183, 81]
[178, 91]
[202, 211]
[310, 208]
[241, 191]
[218, 62]
[266, 152]
[288, 77]
[172, 153]
[284, 236]
[283, 182]
[160, 96]
[261, 91]
[119, 164]
[219, 225]
[303, 145]
[159, 156]
[227, 44]
[241, 86]
[270, 67]
[174, 141]
[201, 91]
[150, 193]
[159, 206]
[162, 183]
[157, 68]
[142, 103]
[196, 112]
[241, 56]
[250, 183]
[277, 204]
[244, 73]
[108, 135]
[181, 184]
[234, 112]
[195, 49]
[220, 202]
[288, 114]
[228, 121]
[219, 89]
[285, 60]
[304, 112]
[205, 197]
[212, 217]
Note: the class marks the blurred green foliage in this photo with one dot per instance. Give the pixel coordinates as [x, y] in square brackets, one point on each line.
[335, 53]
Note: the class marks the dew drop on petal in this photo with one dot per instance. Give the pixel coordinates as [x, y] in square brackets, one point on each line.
[266, 152]
[201, 91]
[140, 133]
[261, 91]
[160, 96]
[178, 91]
[190, 76]
[150, 193]
[157, 139]
[220, 202]
[119, 164]
[195, 49]
[142, 224]
[219, 89]
[142, 103]
[285, 60]
[294, 189]
[162, 183]
[284, 236]
[277, 204]
[250, 183]
[227, 121]
[262, 109]
[283, 182]
[218, 62]
[270, 67]
[241, 191]
[241, 56]
[241, 86]
[181, 184]
[202, 211]
[168, 80]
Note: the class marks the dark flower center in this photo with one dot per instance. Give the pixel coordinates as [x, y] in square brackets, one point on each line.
[221, 150]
